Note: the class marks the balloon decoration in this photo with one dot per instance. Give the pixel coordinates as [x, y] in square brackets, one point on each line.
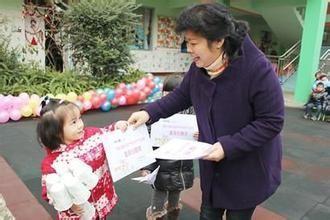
[146, 89]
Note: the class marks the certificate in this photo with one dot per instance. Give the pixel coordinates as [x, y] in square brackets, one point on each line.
[177, 149]
[179, 126]
[127, 151]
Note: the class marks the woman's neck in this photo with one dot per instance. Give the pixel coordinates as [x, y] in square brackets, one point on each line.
[215, 68]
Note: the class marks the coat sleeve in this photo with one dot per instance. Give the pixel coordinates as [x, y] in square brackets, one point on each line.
[266, 98]
[45, 170]
[172, 103]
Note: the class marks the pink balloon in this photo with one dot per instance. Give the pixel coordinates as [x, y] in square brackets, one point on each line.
[17, 103]
[96, 102]
[141, 84]
[143, 96]
[119, 92]
[87, 105]
[122, 86]
[122, 100]
[146, 90]
[4, 117]
[114, 102]
[151, 85]
[15, 114]
[24, 97]
[103, 97]
[5, 103]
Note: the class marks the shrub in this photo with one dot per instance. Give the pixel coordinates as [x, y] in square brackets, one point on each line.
[98, 32]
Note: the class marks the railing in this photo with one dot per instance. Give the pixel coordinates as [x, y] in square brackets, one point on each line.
[286, 64]
[324, 64]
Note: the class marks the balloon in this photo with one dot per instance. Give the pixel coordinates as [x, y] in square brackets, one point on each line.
[106, 90]
[157, 80]
[33, 104]
[4, 117]
[141, 84]
[16, 103]
[106, 106]
[15, 114]
[80, 98]
[99, 91]
[147, 90]
[103, 97]
[121, 86]
[119, 92]
[87, 105]
[143, 96]
[151, 85]
[35, 97]
[87, 96]
[80, 105]
[26, 111]
[5, 103]
[114, 102]
[51, 96]
[110, 94]
[96, 102]
[133, 98]
[122, 100]
[72, 96]
[24, 97]
[61, 96]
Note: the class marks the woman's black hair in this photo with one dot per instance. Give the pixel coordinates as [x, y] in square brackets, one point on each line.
[214, 22]
[171, 82]
[50, 125]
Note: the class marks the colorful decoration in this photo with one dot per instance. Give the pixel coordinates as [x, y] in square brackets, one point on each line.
[146, 89]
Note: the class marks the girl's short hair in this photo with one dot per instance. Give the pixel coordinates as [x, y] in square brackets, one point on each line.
[214, 22]
[171, 82]
[50, 125]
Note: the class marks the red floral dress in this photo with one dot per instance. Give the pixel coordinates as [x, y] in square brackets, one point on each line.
[90, 150]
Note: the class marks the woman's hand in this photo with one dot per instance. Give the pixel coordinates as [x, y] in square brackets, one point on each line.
[216, 154]
[145, 172]
[122, 125]
[196, 135]
[78, 210]
[138, 118]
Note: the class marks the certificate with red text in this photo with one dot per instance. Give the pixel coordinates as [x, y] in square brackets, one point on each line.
[177, 149]
[127, 151]
[178, 126]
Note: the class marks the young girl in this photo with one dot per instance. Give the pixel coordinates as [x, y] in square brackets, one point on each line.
[61, 132]
[173, 175]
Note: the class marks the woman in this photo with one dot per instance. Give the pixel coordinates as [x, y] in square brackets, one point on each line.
[239, 109]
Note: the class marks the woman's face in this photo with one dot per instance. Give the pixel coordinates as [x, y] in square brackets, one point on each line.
[202, 53]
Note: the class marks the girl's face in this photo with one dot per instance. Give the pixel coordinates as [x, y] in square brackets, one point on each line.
[73, 127]
[202, 53]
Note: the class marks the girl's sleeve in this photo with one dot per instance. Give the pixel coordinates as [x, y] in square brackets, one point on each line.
[110, 127]
[46, 169]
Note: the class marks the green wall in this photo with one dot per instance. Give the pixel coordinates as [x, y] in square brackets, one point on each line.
[10, 4]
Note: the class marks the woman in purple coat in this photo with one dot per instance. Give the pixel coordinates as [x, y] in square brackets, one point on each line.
[239, 109]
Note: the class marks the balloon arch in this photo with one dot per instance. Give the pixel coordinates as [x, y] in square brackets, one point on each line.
[144, 90]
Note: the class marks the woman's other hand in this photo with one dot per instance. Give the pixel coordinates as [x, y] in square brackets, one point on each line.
[196, 135]
[216, 154]
[138, 118]
[122, 125]
[78, 210]
[145, 172]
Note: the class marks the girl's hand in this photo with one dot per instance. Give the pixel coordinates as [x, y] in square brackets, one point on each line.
[196, 135]
[138, 118]
[122, 125]
[216, 154]
[145, 172]
[77, 209]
